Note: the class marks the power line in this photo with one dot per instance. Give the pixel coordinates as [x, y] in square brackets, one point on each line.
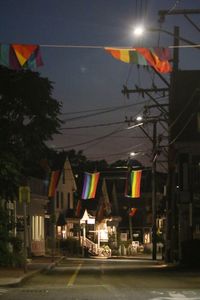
[106, 111]
[102, 47]
[90, 141]
[91, 126]
[86, 111]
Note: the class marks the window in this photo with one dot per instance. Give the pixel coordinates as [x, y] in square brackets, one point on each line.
[37, 228]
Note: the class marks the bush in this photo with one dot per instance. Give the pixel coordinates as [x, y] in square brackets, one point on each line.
[191, 252]
[16, 244]
[10, 246]
[70, 246]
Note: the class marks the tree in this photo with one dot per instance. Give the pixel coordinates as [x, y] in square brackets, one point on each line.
[124, 163]
[29, 116]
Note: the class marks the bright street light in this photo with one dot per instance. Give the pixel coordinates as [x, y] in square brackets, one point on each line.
[132, 153]
[139, 118]
[136, 125]
[139, 30]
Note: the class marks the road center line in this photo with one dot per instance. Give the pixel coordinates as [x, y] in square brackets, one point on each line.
[74, 275]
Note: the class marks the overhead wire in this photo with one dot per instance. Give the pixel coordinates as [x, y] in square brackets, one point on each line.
[192, 23]
[174, 6]
[91, 126]
[90, 141]
[118, 153]
[99, 140]
[102, 112]
[108, 110]
[85, 111]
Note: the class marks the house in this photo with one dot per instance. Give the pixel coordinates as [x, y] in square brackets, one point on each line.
[137, 226]
[183, 201]
[62, 203]
[33, 206]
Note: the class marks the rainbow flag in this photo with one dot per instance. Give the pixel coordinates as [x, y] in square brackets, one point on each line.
[53, 183]
[157, 58]
[133, 184]
[127, 55]
[23, 52]
[90, 185]
[18, 56]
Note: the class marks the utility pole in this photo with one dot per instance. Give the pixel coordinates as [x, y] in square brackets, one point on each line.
[154, 225]
[25, 235]
[24, 198]
[170, 201]
[154, 141]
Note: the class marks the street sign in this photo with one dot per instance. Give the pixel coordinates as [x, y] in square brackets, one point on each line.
[24, 194]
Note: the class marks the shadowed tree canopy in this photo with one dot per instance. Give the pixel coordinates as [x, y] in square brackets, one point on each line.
[124, 163]
[29, 116]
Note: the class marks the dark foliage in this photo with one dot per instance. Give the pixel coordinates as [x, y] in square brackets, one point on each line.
[191, 252]
[28, 118]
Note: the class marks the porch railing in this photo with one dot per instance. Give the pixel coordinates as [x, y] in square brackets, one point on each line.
[91, 246]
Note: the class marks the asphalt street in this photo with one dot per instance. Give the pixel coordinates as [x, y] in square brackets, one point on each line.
[94, 279]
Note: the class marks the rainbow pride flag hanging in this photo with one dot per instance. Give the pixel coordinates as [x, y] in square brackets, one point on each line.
[53, 183]
[90, 185]
[18, 56]
[133, 181]
[157, 58]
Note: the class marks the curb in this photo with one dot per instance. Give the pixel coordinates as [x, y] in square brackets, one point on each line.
[18, 281]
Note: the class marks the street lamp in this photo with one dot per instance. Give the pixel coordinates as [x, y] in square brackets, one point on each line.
[153, 139]
[170, 218]
[140, 30]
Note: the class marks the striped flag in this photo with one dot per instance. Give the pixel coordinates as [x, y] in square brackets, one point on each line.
[156, 58]
[53, 183]
[23, 52]
[133, 181]
[90, 185]
[18, 56]
[127, 55]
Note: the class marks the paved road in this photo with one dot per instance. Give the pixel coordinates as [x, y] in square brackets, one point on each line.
[92, 279]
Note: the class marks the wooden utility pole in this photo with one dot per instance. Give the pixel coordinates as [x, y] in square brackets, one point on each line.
[154, 202]
[25, 236]
[24, 198]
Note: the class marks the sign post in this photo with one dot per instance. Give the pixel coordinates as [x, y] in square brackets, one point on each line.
[24, 197]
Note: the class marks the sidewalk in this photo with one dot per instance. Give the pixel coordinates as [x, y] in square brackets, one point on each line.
[15, 276]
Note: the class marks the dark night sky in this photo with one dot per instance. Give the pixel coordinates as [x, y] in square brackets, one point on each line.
[89, 79]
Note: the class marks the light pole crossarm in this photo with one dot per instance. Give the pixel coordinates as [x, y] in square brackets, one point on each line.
[163, 13]
[175, 36]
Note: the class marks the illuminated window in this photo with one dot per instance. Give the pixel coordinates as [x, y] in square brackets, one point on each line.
[37, 228]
